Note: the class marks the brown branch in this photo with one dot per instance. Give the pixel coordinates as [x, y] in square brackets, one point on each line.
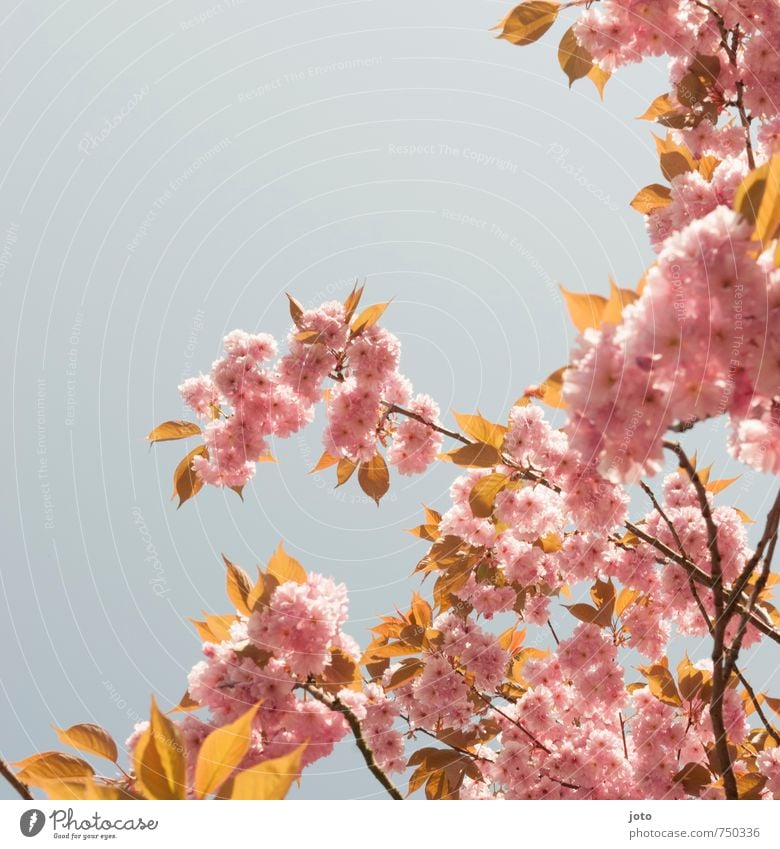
[773, 732]
[357, 732]
[720, 673]
[698, 575]
[394, 408]
[489, 702]
[770, 531]
[19, 786]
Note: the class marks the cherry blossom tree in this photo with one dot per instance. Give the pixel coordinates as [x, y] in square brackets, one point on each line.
[442, 698]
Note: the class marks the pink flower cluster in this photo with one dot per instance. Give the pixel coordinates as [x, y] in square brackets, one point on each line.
[245, 399]
[701, 341]
[297, 632]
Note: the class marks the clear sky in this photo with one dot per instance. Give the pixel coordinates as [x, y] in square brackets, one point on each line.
[167, 171]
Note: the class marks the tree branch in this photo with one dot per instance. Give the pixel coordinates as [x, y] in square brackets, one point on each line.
[720, 674]
[357, 732]
[20, 787]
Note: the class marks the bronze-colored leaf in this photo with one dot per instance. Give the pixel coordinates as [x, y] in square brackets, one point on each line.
[47, 766]
[325, 462]
[369, 317]
[222, 751]
[662, 685]
[270, 779]
[528, 22]
[178, 429]
[186, 483]
[652, 197]
[479, 428]
[483, 494]
[574, 58]
[344, 471]
[296, 309]
[374, 477]
[285, 568]
[585, 310]
[694, 778]
[476, 455]
[599, 77]
[91, 738]
[341, 673]
[239, 586]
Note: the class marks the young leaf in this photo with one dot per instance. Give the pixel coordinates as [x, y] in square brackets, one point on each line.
[374, 478]
[90, 738]
[587, 613]
[662, 105]
[341, 673]
[662, 685]
[528, 22]
[173, 430]
[270, 779]
[344, 471]
[477, 455]
[551, 390]
[618, 300]
[325, 462]
[352, 301]
[186, 704]
[585, 310]
[158, 760]
[285, 568]
[406, 672]
[369, 317]
[574, 58]
[51, 765]
[222, 751]
[483, 494]
[296, 309]
[599, 77]
[479, 428]
[239, 586]
[186, 483]
[652, 197]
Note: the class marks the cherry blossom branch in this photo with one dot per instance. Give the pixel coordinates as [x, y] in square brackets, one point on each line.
[357, 732]
[489, 702]
[694, 572]
[453, 434]
[20, 787]
[731, 52]
[770, 532]
[720, 672]
[414, 730]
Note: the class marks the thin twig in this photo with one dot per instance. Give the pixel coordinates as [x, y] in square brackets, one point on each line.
[19, 786]
[489, 702]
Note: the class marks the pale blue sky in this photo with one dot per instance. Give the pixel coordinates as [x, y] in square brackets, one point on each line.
[167, 171]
